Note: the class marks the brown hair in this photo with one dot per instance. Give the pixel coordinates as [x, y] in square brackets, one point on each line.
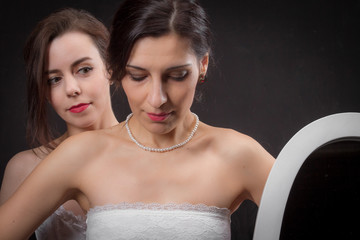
[39, 132]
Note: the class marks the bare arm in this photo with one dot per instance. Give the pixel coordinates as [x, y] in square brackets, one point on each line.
[249, 167]
[255, 170]
[51, 183]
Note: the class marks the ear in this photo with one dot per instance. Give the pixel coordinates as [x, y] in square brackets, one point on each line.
[204, 63]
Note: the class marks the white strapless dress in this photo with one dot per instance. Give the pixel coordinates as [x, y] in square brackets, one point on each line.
[62, 225]
[157, 221]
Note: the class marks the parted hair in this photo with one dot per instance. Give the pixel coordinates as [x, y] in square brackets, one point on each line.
[39, 130]
[137, 19]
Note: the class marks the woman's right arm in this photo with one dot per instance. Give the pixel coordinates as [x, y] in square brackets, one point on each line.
[49, 185]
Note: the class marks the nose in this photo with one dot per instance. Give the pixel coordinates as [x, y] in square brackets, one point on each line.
[72, 87]
[157, 95]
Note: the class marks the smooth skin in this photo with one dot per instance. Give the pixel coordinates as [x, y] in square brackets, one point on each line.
[218, 167]
[76, 74]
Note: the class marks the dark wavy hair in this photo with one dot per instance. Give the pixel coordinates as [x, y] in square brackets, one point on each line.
[39, 131]
[137, 19]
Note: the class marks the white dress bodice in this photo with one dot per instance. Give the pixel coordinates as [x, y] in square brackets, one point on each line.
[62, 225]
[157, 221]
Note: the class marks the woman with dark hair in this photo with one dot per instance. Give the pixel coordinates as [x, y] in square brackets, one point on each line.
[160, 174]
[65, 58]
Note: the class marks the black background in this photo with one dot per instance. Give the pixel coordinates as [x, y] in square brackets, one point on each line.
[324, 200]
[277, 65]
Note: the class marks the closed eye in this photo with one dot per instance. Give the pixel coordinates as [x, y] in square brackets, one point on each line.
[179, 75]
[137, 78]
[136, 73]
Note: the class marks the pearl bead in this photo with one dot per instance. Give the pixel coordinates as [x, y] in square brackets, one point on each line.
[161, 149]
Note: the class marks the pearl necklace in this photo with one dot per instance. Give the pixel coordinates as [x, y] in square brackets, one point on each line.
[150, 149]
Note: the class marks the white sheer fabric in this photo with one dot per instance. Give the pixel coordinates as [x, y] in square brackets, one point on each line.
[157, 221]
[62, 225]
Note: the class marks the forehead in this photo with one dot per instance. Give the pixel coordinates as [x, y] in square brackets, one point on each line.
[169, 48]
[71, 46]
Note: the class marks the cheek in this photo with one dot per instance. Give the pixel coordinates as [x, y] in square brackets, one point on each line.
[55, 97]
[184, 91]
[134, 92]
[97, 89]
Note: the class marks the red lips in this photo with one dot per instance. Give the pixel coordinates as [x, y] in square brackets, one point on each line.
[79, 108]
[158, 117]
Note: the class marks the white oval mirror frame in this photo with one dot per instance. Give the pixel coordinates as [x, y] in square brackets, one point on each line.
[287, 164]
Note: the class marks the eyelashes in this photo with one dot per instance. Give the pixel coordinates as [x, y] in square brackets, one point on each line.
[81, 71]
[53, 80]
[137, 78]
[177, 76]
[85, 70]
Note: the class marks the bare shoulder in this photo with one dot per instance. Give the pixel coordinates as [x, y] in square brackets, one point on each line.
[17, 169]
[84, 139]
[73, 148]
[23, 161]
[76, 147]
[237, 149]
[84, 146]
[231, 142]
[246, 162]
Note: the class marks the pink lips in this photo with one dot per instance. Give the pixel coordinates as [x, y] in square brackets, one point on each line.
[79, 108]
[158, 117]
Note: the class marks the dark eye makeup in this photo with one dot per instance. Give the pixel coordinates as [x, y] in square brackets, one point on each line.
[53, 80]
[84, 70]
[137, 77]
[178, 75]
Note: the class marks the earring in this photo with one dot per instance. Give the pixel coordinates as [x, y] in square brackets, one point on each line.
[201, 78]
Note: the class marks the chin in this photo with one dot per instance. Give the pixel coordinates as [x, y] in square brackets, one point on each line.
[159, 128]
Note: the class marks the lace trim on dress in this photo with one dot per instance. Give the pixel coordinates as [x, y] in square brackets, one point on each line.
[70, 217]
[158, 206]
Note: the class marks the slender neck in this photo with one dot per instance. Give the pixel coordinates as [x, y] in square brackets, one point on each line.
[105, 119]
[167, 136]
[105, 122]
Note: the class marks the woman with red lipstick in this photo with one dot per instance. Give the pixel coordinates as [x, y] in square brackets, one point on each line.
[65, 64]
[160, 174]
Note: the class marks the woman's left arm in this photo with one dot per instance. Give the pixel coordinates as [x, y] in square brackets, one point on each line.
[256, 167]
[257, 170]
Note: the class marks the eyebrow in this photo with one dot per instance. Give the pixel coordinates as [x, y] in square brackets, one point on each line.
[168, 69]
[77, 62]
